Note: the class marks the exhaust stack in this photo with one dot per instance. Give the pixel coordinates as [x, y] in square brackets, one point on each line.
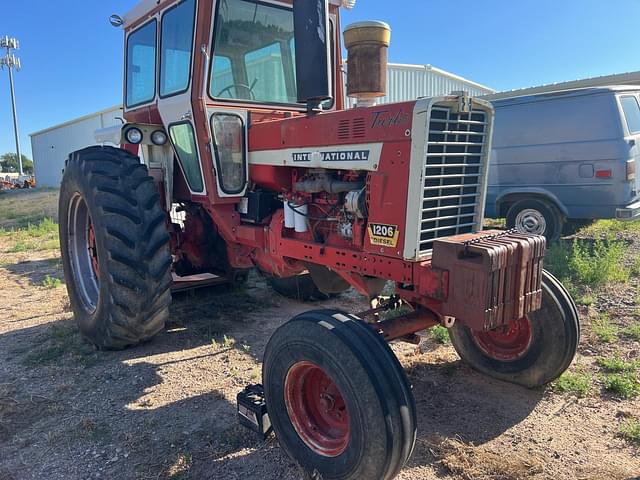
[368, 46]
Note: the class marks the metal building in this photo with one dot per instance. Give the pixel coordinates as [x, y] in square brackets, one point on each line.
[50, 147]
[408, 82]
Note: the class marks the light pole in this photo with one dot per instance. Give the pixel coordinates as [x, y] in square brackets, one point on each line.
[11, 61]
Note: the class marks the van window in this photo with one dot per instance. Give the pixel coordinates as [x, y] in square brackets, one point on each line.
[141, 65]
[556, 120]
[176, 45]
[631, 113]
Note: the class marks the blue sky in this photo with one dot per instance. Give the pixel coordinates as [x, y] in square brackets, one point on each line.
[72, 57]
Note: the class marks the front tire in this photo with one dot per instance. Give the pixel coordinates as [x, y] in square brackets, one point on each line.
[338, 399]
[531, 351]
[115, 248]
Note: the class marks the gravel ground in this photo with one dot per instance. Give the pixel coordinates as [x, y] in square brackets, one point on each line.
[167, 409]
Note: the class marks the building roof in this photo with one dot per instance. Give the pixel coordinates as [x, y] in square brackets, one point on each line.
[629, 78]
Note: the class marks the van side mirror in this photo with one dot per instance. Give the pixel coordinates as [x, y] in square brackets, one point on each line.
[313, 55]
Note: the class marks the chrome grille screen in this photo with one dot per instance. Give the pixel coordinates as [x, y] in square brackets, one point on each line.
[454, 172]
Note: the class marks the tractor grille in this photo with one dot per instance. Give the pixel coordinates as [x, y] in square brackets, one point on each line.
[454, 174]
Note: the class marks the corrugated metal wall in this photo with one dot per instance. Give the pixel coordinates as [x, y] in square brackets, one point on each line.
[52, 146]
[408, 82]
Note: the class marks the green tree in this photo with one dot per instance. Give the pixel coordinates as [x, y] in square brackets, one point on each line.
[9, 163]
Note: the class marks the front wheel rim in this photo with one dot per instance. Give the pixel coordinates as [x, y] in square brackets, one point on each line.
[317, 409]
[83, 254]
[508, 343]
[531, 221]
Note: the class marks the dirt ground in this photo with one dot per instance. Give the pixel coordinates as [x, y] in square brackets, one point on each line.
[166, 410]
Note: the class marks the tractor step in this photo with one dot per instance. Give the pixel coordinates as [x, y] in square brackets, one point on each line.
[252, 410]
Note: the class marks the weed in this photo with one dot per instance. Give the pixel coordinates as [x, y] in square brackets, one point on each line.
[624, 384]
[635, 267]
[616, 364]
[228, 342]
[603, 228]
[440, 334]
[633, 331]
[577, 383]
[215, 344]
[589, 264]
[604, 329]
[51, 282]
[630, 430]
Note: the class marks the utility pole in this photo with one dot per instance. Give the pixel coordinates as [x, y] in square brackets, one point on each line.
[11, 61]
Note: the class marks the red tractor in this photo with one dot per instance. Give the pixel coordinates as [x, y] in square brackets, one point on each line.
[239, 153]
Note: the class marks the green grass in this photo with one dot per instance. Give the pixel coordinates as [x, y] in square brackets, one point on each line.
[577, 383]
[616, 364]
[440, 334]
[633, 331]
[51, 282]
[603, 228]
[34, 237]
[591, 264]
[630, 430]
[604, 329]
[623, 384]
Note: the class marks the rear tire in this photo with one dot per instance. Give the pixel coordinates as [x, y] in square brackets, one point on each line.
[115, 247]
[300, 287]
[534, 351]
[537, 217]
[338, 399]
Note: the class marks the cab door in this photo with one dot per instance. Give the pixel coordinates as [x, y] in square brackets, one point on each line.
[176, 39]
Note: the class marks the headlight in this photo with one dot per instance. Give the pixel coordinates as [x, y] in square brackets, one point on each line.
[159, 137]
[133, 136]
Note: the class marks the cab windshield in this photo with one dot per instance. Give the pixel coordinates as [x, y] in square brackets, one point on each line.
[253, 53]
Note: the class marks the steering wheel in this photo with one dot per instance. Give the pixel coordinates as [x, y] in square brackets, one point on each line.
[242, 85]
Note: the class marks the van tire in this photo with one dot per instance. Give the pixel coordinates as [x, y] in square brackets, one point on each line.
[536, 216]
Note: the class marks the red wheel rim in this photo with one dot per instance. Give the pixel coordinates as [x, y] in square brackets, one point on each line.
[93, 249]
[317, 409]
[508, 343]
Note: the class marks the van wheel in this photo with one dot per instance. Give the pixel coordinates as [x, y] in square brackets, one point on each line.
[536, 217]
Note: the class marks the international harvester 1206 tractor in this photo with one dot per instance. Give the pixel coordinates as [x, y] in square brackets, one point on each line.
[238, 153]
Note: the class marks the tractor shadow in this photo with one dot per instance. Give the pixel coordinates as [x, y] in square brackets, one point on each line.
[39, 272]
[455, 403]
[60, 398]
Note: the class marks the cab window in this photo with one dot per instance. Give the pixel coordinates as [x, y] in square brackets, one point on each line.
[253, 59]
[184, 142]
[176, 48]
[141, 65]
